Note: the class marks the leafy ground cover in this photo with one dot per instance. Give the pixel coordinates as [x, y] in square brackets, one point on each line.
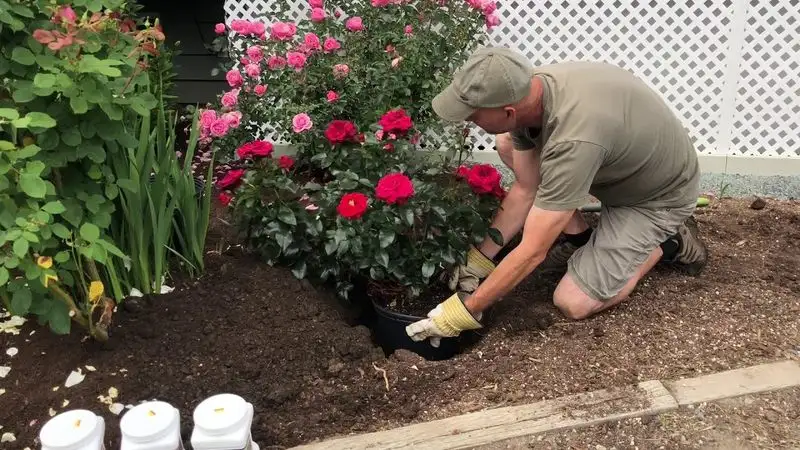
[257, 331]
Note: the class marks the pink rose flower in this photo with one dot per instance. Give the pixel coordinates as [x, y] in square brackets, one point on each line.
[379, 135]
[276, 62]
[380, 3]
[219, 128]
[67, 14]
[331, 45]
[283, 31]
[488, 7]
[257, 28]
[396, 62]
[332, 96]
[318, 15]
[315, 3]
[492, 21]
[260, 90]
[252, 70]
[234, 78]
[409, 30]
[244, 60]
[207, 118]
[230, 99]
[219, 28]
[340, 71]
[301, 122]
[233, 118]
[296, 60]
[311, 42]
[255, 53]
[477, 4]
[354, 24]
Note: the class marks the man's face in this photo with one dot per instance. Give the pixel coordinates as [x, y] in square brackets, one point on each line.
[495, 120]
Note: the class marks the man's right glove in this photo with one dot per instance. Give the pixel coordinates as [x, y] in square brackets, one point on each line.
[467, 278]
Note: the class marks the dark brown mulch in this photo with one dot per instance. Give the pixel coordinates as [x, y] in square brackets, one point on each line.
[256, 331]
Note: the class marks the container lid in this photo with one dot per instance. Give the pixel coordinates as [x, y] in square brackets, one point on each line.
[149, 421]
[220, 414]
[68, 429]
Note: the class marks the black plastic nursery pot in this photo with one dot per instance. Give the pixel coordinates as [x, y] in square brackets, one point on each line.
[389, 330]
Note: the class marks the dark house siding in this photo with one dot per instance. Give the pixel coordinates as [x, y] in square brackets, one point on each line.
[191, 22]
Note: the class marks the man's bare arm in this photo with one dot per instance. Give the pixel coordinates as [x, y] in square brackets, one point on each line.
[518, 201]
[542, 227]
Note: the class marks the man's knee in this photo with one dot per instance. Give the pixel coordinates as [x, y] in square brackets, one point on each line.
[573, 308]
[572, 301]
[505, 149]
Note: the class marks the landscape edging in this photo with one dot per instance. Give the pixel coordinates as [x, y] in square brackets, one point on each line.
[573, 411]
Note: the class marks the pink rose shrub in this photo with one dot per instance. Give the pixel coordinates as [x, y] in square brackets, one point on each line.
[350, 91]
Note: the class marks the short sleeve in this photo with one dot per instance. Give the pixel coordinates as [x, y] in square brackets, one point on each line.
[522, 139]
[567, 172]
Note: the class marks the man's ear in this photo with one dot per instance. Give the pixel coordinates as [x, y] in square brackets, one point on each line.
[511, 112]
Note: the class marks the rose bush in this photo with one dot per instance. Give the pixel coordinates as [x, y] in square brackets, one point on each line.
[350, 89]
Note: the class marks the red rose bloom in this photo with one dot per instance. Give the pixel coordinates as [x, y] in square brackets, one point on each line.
[394, 188]
[483, 178]
[352, 205]
[462, 172]
[396, 121]
[260, 149]
[340, 131]
[225, 198]
[285, 162]
[231, 180]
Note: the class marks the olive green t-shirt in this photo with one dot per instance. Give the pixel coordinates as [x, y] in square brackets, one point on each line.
[606, 133]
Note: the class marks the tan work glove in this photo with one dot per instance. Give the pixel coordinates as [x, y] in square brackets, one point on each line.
[467, 278]
[448, 319]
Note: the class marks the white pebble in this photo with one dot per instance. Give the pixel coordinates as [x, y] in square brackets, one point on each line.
[12, 351]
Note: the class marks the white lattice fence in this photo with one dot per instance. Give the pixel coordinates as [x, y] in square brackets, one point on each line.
[730, 69]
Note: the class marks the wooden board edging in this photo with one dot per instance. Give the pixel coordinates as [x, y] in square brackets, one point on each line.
[487, 426]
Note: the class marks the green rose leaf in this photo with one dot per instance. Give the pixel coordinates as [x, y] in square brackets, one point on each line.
[79, 105]
[383, 259]
[6, 146]
[299, 270]
[3, 276]
[23, 56]
[386, 238]
[496, 236]
[58, 318]
[427, 269]
[55, 207]
[21, 302]
[61, 257]
[60, 230]
[90, 232]
[9, 114]
[44, 80]
[40, 120]
[32, 185]
[28, 152]
[286, 216]
[21, 247]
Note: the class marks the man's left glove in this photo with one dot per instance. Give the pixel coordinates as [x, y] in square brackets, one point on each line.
[448, 319]
[467, 278]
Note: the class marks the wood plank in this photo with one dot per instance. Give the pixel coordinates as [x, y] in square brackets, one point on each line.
[198, 67]
[189, 91]
[733, 383]
[483, 427]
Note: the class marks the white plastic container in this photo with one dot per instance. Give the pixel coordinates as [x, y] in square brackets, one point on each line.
[77, 429]
[222, 422]
[151, 426]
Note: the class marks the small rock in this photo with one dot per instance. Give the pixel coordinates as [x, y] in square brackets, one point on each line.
[758, 204]
[335, 366]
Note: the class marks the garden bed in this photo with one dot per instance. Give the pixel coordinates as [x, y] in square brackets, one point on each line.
[256, 331]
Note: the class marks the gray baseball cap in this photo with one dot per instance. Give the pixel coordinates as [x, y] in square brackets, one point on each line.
[490, 78]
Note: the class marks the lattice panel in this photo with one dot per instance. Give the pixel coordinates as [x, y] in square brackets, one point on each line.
[680, 48]
[767, 117]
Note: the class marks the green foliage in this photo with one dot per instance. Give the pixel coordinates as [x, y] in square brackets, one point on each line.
[331, 217]
[72, 81]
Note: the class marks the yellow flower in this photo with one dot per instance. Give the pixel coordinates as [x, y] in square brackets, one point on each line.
[96, 289]
[48, 277]
[45, 262]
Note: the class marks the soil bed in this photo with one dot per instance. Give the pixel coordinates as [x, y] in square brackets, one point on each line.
[256, 331]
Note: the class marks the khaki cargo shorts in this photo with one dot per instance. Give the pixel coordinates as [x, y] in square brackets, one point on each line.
[620, 244]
